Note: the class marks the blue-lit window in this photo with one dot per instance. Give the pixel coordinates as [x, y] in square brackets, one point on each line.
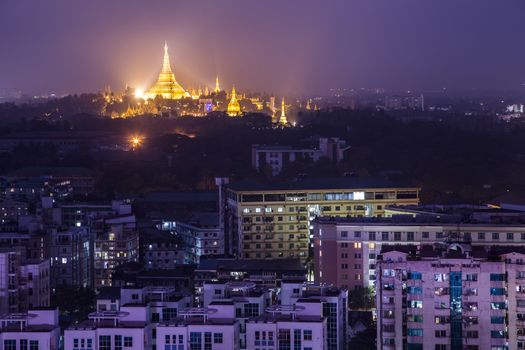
[415, 332]
[416, 304]
[497, 319]
[497, 334]
[497, 277]
[414, 290]
[498, 306]
[415, 276]
[414, 346]
[497, 291]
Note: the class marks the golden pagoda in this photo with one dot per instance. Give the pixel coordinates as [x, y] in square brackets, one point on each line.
[282, 119]
[234, 108]
[217, 87]
[166, 85]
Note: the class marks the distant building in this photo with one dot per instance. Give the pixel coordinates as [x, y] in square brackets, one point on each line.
[116, 243]
[70, 256]
[452, 296]
[275, 220]
[200, 233]
[11, 210]
[277, 157]
[162, 250]
[24, 284]
[413, 102]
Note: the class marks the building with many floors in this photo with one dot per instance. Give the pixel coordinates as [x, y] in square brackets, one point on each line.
[24, 283]
[346, 249]
[70, 257]
[451, 296]
[116, 243]
[275, 220]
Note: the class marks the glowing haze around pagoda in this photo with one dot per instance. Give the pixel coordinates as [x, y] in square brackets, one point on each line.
[166, 85]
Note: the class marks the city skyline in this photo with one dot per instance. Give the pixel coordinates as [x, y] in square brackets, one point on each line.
[279, 48]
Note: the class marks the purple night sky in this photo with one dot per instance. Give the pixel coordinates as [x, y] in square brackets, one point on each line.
[292, 46]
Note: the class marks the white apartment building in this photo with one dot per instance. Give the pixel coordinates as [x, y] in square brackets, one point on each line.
[126, 329]
[37, 329]
[212, 328]
[247, 299]
[300, 326]
[448, 297]
[328, 301]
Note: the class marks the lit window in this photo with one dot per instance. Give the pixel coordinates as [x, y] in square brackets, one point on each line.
[359, 196]
[64, 260]
[357, 245]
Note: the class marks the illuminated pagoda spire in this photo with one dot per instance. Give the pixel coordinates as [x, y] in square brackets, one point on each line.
[207, 91]
[217, 86]
[283, 119]
[166, 85]
[308, 107]
[234, 108]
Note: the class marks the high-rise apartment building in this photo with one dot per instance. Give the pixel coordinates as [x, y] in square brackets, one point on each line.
[275, 220]
[346, 249]
[451, 296]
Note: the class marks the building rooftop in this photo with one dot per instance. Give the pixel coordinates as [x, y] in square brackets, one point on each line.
[337, 183]
[251, 265]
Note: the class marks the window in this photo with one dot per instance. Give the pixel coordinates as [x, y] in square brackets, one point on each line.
[371, 236]
[415, 318]
[414, 290]
[497, 319]
[481, 236]
[118, 342]
[415, 304]
[441, 334]
[195, 341]
[307, 334]
[410, 236]
[498, 306]
[414, 275]
[440, 347]
[397, 236]
[344, 234]
[472, 276]
[23, 344]
[497, 334]
[440, 277]
[510, 236]
[217, 338]
[472, 334]
[495, 236]
[441, 319]
[426, 235]
[497, 277]
[128, 342]
[415, 332]
[9, 344]
[357, 234]
[497, 291]
[104, 342]
[384, 236]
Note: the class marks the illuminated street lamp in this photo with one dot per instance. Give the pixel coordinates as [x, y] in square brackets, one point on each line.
[135, 141]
